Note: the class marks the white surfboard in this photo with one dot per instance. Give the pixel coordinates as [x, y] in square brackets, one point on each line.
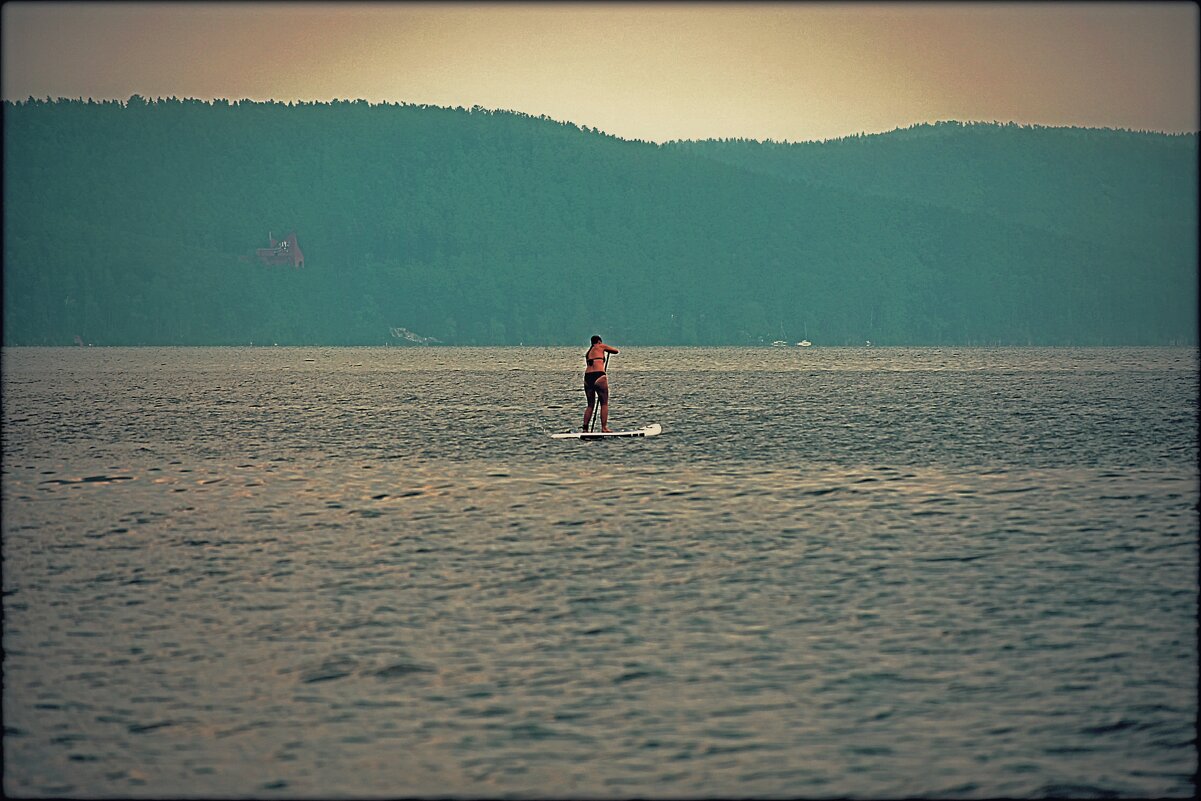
[654, 429]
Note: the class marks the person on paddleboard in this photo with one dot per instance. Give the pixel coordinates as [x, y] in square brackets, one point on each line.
[596, 382]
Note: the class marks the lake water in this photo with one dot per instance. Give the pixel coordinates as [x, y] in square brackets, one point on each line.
[283, 572]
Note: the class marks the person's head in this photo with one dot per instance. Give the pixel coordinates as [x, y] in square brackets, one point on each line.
[595, 339]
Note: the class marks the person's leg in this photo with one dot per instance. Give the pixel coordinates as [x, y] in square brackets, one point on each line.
[591, 393]
[602, 389]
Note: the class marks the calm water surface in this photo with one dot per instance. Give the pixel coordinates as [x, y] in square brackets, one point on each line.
[286, 572]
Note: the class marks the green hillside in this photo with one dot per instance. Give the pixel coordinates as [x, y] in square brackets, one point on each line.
[136, 223]
[1128, 190]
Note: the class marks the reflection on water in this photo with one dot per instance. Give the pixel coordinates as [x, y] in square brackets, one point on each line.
[838, 572]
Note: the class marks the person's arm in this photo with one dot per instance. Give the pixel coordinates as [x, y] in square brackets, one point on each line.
[611, 350]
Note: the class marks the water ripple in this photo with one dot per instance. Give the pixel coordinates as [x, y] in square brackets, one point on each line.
[824, 579]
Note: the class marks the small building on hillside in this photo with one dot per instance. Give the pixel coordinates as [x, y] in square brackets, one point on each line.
[284, 251]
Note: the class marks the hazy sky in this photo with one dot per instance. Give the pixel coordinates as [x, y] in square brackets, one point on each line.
[657, 71]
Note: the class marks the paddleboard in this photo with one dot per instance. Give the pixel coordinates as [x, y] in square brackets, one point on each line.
[646, 431]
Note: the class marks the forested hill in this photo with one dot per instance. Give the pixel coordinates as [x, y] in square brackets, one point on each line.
[1073, 181]
[136, 223]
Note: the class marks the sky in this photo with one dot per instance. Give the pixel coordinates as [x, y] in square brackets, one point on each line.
[653, 71]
